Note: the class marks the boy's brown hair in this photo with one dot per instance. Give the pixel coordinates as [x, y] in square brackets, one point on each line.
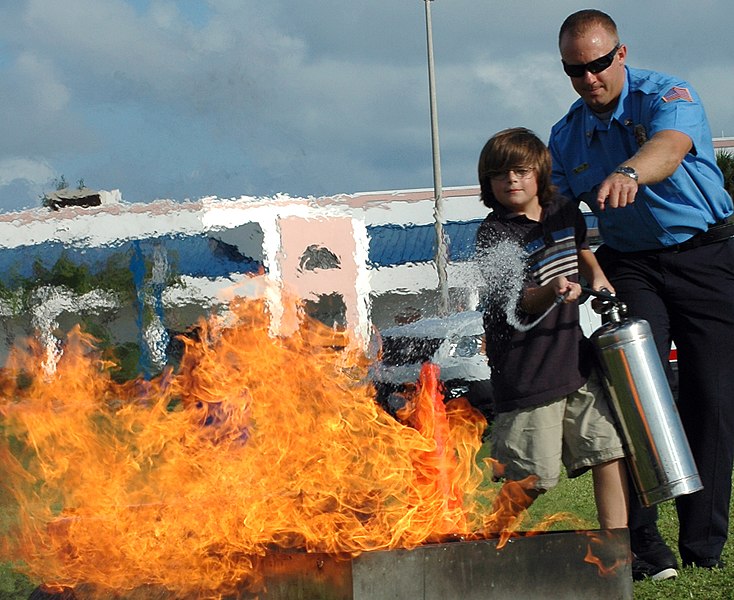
[515, 148]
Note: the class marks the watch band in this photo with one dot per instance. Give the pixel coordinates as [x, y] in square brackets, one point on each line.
[628, 171]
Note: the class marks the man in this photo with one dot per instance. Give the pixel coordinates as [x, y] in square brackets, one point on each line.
[637, 148]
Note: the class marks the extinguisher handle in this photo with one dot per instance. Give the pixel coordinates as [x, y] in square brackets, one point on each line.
[609, 304]
[602, 294]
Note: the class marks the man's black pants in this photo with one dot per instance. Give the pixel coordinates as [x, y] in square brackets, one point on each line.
[688, 297]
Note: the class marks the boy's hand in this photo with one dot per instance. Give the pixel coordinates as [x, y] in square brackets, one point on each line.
[569, 290]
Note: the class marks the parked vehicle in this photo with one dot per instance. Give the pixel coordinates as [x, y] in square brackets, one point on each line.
[454, 343]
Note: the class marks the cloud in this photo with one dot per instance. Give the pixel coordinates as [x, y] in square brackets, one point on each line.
[29, 170]
[164, 98]
[23, 182]
[716, 89]
[36, 115]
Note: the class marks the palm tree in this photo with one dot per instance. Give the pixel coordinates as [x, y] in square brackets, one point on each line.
[725, 160]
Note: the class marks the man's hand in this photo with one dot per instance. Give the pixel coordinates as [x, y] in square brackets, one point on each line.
[616, 191]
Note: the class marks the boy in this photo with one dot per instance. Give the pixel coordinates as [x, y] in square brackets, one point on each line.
[550, 403]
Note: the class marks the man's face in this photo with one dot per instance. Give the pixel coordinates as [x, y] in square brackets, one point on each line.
[599, 90]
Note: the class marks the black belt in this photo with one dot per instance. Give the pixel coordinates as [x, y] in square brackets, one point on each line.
[718, 232]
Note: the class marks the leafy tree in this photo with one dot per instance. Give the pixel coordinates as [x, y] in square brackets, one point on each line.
[59, 184]
[725, 160]
[71, 275]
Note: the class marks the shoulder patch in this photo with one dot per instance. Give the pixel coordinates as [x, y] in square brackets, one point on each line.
[677, 93]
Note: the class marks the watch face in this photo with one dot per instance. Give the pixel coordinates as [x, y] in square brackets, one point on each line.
[629, 171]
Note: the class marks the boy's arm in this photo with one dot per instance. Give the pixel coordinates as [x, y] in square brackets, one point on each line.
[591, 271]
[537, 299]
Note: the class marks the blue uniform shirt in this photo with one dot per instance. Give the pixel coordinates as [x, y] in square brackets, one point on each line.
[586, 150]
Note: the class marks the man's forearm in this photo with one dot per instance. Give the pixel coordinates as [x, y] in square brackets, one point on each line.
[660, 156]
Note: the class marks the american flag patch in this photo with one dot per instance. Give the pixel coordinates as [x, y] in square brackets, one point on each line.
[678, 93]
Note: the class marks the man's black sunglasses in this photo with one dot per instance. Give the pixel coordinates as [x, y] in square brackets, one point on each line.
[595, 66]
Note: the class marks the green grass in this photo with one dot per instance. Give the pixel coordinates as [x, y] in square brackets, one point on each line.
[576, 496]
[13, 586]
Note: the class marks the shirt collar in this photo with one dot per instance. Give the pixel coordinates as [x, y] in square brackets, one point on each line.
[592, 122]
[507, 214]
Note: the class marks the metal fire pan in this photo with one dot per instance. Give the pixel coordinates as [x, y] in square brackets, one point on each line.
[546, 565]
[568, 564]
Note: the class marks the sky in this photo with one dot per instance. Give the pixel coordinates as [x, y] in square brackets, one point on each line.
[183, 99]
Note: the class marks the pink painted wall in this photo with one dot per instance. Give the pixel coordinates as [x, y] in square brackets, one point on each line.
[334, 233]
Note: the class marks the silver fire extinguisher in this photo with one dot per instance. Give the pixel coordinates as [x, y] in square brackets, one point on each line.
[658, 453]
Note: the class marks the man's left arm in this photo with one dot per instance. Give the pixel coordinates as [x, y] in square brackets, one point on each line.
[592, 272]
[656, 160]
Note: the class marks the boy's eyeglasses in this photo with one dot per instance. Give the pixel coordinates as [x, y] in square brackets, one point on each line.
[595, 66]
[520, 173]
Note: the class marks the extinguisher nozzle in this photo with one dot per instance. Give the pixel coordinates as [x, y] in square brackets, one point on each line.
[606, 303]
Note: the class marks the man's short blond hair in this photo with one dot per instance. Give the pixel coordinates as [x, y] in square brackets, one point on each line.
[579, 23]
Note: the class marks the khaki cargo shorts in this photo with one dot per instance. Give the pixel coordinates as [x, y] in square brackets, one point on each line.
[577, 430]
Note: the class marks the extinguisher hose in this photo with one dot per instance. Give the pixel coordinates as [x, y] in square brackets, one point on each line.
[601, 294]
[527, 327]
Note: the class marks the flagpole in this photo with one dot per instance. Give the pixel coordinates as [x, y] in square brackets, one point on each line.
[441, 250]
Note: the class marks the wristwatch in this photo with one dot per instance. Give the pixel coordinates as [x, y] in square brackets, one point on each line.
[628, 171]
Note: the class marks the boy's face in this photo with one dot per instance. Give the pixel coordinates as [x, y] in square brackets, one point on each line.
[517, 190]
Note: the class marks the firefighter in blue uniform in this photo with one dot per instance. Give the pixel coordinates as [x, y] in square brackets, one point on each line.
[636, 147]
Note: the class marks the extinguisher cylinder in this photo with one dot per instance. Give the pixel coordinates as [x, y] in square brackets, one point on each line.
[658, 453]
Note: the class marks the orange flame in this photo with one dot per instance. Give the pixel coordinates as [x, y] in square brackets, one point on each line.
[597, 554]
[256, 442]
[436, 469]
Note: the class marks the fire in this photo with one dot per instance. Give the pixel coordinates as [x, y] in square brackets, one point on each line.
[597, 553]
[436, 470]
[256, 442]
